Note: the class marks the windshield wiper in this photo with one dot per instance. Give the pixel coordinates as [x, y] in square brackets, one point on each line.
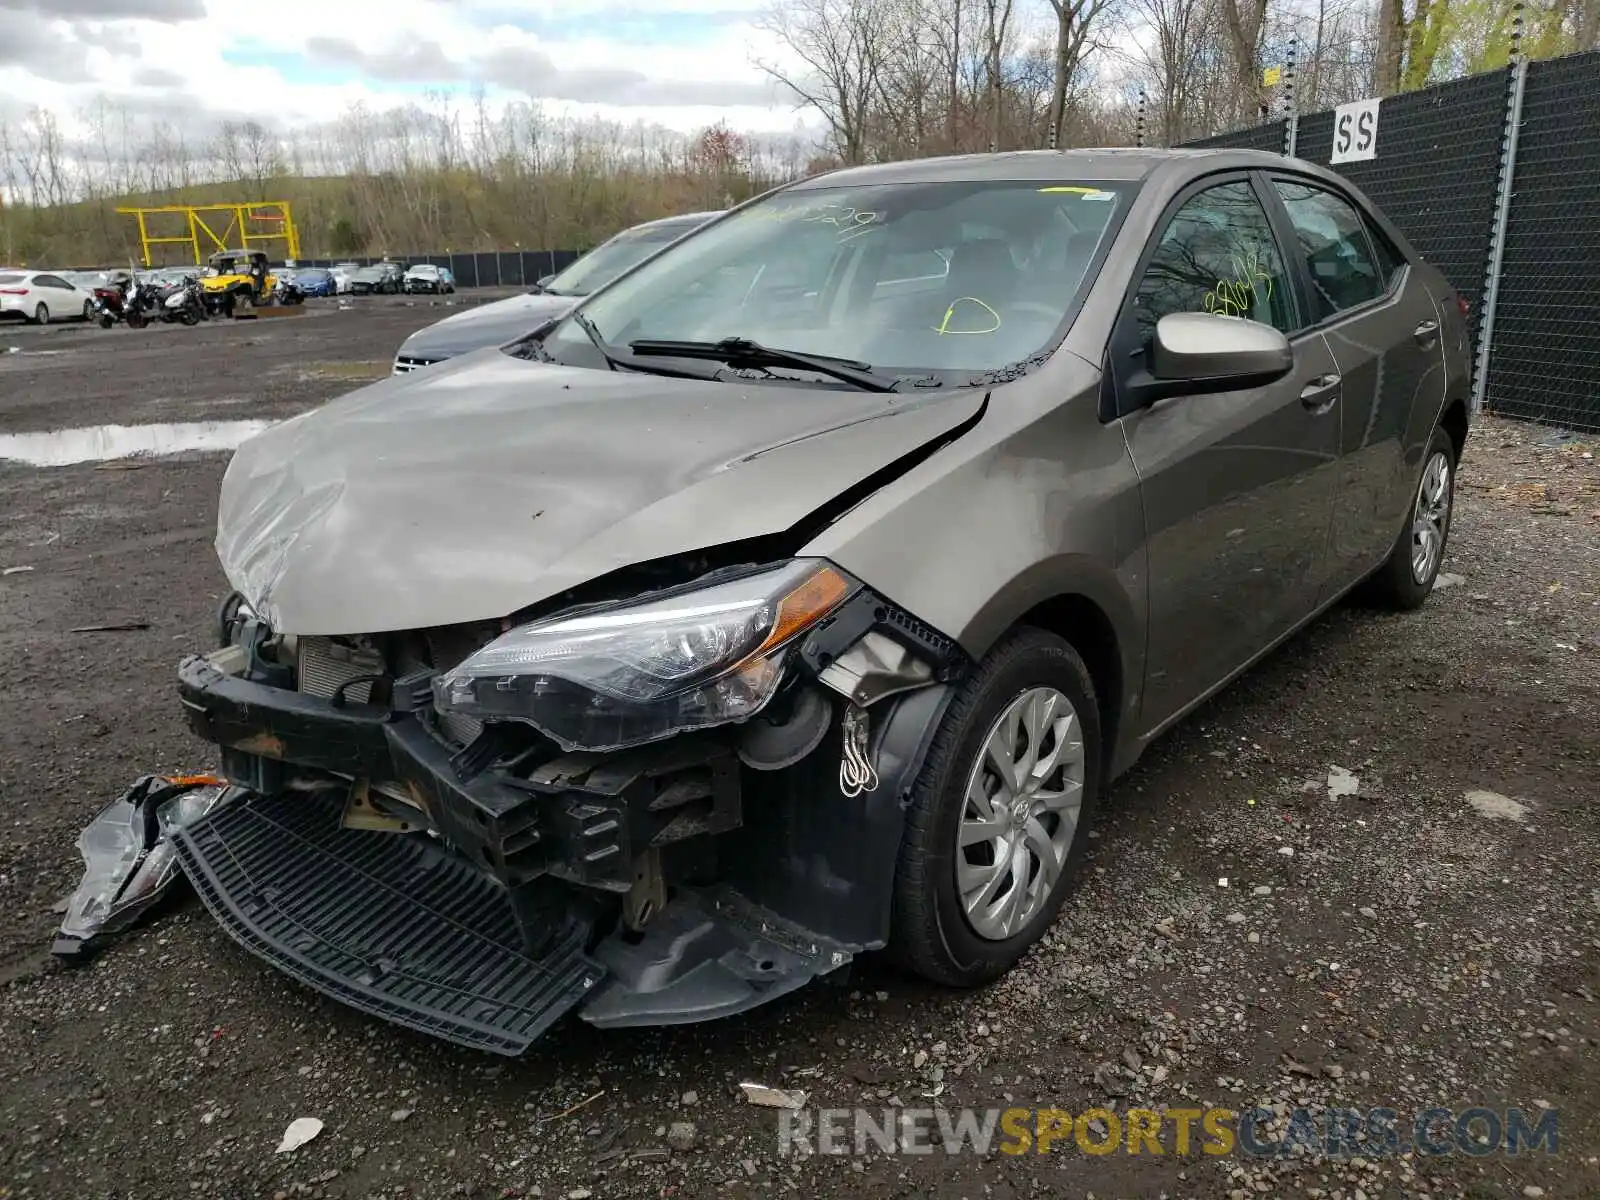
[615, 361]
[742, 352]
[584, 323]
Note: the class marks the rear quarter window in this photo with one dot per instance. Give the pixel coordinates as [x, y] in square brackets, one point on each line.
[1389, 260]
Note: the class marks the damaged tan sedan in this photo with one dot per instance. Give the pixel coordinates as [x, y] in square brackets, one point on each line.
[797, 595]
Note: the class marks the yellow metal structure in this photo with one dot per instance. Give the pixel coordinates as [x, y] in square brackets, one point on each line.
[202, 223]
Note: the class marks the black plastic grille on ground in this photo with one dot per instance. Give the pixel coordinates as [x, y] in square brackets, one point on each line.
[1251, 137]
[383, 922]
[1546, 356]
[1438, 158]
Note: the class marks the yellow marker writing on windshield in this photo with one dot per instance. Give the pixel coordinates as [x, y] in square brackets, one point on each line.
[1076, 191]
[944, 325]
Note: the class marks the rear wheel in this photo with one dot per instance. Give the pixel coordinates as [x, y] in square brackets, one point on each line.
[1408, 574]
[107, 321]
[41, 315]
[993, 835]
[88, 310]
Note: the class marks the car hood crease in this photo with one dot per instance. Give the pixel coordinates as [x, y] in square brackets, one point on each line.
[479, 487]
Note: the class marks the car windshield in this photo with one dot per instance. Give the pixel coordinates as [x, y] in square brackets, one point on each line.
[423, 269]
[313, 273]
[909, 278]
[611, 258]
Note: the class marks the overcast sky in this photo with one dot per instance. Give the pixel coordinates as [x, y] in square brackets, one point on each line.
[678, 63]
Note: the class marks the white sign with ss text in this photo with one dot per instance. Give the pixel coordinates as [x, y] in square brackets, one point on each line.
[1355, 132]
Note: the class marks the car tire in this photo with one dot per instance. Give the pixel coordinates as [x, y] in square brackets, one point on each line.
[1032, 683]
[41, 315]
[243, 299]
[1407, 576]
[88, 310]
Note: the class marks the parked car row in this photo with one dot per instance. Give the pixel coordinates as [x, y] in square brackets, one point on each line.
[553, 296]
[228, 279]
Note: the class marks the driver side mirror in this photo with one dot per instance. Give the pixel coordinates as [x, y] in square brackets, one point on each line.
[542, 282]
[1196, 354]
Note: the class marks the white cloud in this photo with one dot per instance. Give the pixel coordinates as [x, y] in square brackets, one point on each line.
[677, 63]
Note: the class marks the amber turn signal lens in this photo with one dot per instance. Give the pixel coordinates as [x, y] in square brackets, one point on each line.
[814, 599]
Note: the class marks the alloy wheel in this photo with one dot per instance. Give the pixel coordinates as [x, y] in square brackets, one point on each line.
[1430, 518]
[1020, 813]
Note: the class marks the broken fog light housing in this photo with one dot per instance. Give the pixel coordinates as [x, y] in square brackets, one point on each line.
[610, 677]
[129, 860]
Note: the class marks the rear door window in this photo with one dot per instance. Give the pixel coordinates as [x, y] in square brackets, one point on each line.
[1333, 244]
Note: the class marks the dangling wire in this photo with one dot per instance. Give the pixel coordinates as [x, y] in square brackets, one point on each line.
[856, 772]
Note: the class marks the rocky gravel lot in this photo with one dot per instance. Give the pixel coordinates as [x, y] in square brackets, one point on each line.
[1365, 876]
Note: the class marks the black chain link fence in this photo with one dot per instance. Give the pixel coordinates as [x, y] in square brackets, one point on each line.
[1435, 174]
[1437, 164]
[487, 268]
[1267, 136]
[1545, 361]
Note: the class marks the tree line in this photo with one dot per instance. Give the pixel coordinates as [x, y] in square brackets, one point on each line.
[883, 79]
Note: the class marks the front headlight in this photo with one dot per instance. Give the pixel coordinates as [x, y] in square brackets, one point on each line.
[618, 676]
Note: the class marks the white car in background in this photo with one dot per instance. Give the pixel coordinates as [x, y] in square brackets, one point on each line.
[342, 274]
[40, 296]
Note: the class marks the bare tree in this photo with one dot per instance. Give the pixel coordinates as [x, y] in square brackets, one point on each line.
[1073, 21]
[839, 44]
[997, 14]
[1244, 22]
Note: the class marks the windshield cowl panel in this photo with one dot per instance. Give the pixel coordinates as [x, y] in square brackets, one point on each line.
[961, 281]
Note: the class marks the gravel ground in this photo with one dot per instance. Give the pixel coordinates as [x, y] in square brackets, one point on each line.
[1393, 939]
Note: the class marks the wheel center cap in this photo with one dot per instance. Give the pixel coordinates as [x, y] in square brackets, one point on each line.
[1020, 812]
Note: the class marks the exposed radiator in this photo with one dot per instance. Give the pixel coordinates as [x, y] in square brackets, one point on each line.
[448, 647]
[324, 663]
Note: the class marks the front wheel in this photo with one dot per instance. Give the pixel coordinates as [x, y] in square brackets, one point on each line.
[243, 299]
[1408, 574]
[994, 832]
[136, 320]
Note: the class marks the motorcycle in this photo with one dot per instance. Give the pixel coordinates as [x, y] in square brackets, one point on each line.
[141, 301]
[182, 302]
[285, 291]
[110, 301]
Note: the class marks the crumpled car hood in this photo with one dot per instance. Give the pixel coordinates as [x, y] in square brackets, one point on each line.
[476, 488]
[486, 325]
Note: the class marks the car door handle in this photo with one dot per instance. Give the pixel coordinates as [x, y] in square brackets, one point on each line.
[1426, 333]
[1321, 392]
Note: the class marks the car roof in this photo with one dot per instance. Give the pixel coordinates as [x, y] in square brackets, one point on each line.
[694, 218]
[1111, 164]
